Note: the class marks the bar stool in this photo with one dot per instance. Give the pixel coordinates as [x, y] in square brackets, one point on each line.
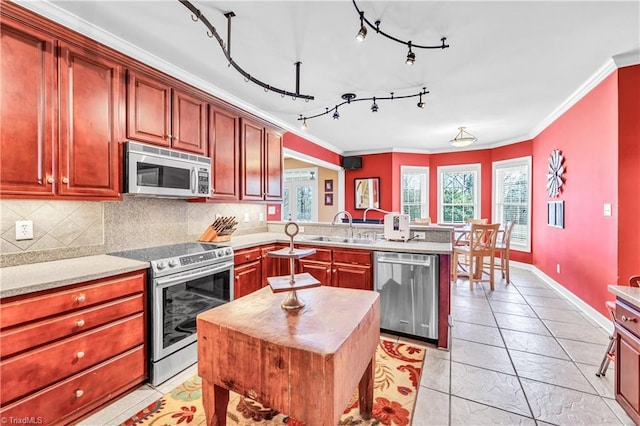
[610, 354]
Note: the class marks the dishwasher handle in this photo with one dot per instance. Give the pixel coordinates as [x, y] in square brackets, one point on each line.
[404, 262]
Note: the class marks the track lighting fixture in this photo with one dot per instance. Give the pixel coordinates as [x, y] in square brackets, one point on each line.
[463, 138]
[351, 98]
[411, 57]
[304, 122]
[362, 33]
[226, 49]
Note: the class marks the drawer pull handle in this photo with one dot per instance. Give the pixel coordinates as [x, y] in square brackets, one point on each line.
[80, 323]
[81, 298]
[248, 256]
[630, 319]
[79, 393]
[80, 355]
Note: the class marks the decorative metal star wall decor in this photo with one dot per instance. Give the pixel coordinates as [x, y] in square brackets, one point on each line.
[556, 170]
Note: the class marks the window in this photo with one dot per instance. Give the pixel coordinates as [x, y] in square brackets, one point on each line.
[512, 199]
[299, 197]
[414, 191]
[458, 193]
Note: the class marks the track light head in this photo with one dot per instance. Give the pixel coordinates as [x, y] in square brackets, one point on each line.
[304, 124]
[336, 114]
[362, 33]
[411, 57]
[374, 106]
[420, 103]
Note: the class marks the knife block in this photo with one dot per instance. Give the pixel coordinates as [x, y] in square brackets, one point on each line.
[211, 236]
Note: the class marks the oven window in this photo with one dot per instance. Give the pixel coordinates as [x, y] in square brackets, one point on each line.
[182, 302]
[163, 176]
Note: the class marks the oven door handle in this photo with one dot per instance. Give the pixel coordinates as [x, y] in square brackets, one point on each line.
[171, 280]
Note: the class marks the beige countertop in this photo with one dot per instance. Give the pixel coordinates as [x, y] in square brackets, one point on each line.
[23, 279]
[17, 280]
[630, 294]
[414, 246]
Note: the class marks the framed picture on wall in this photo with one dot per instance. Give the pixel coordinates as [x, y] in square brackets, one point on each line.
[555, 214]
[328, 185]
[328, 199]
[367, 193]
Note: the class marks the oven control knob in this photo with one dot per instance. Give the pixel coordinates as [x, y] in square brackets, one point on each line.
[228, 252]
[173, 263]
[161, 265]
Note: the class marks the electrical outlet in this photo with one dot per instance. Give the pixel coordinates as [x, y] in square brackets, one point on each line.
[218, 215]
[301, 229]
[607, 209]
[558, 268]
[420, 235]
[24, 230]
[261, 216]
[246, 217]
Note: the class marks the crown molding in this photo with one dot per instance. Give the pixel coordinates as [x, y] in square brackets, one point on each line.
[627, 59]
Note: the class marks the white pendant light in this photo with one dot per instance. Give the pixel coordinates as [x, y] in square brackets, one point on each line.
[463, 138]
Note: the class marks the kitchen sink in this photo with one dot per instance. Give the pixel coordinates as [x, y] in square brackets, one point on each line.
[343, 240]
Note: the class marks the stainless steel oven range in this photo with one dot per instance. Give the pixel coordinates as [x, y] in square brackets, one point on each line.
[184, 280]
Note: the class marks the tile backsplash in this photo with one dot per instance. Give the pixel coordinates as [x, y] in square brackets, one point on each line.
[76, 228]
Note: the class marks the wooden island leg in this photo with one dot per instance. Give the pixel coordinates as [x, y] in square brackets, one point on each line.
[215, 400]
[365, 391]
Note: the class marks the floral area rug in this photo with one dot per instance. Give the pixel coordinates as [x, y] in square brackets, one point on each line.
[397, 376]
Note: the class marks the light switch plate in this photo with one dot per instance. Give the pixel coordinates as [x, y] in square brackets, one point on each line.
[260, 216]
[607, 209]
[246, 217]
[24, 230]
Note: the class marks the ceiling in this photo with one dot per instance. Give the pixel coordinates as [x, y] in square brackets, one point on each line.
[510, 65]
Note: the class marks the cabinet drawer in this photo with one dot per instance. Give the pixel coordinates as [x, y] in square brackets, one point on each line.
[357, 257]
[31, 308]
[56, 402]
[39, 368]
[628, 317]
[249, 255]
[19, 339]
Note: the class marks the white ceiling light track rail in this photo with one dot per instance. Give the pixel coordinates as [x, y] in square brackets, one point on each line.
[411, 56]
[211, 33]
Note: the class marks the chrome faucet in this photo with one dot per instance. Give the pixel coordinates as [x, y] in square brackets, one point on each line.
[333, 222]
[364, 215]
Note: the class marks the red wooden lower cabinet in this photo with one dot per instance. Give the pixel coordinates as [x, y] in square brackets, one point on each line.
[628, 359]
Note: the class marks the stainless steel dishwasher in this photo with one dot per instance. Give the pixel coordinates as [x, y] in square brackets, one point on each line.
[408, 287]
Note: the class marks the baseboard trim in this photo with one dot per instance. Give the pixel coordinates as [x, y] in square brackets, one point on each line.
[596, 316]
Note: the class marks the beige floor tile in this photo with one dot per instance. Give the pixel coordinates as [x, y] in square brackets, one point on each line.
[584, 352]
[520, 323]
[533, 343]
[435, 374]
[511, 308]
[509, 297]
[124, 405]
[550, 370]
[604, 385]
[488, 387]
[548, 302]
[480, 355]
[477, 333]
[471, 303]
[583, 333]
[562, 315]
[563, 406]
[473, 316]
[537, 291]
[617, 409]
[465, 412]
[432, 408]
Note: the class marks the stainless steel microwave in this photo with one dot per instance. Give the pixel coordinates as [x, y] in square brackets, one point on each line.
[160, 172]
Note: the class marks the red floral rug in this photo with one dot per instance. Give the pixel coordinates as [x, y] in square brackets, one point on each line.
[397, 376]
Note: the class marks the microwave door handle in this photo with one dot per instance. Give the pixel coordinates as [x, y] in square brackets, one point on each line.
[193, 180]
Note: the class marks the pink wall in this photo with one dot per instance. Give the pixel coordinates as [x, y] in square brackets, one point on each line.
[629, 173]
[586, 249]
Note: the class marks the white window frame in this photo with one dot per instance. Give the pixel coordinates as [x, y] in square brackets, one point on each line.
[514, 162]
[424, 206]
[475, 167]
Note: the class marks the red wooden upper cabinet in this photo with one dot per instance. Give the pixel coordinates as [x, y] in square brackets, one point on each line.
[261, 162]
[160, 115]
[27, 110]
[91, 89]
[224, 152]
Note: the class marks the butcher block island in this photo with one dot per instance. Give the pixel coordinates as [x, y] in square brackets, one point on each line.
[304, 363]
